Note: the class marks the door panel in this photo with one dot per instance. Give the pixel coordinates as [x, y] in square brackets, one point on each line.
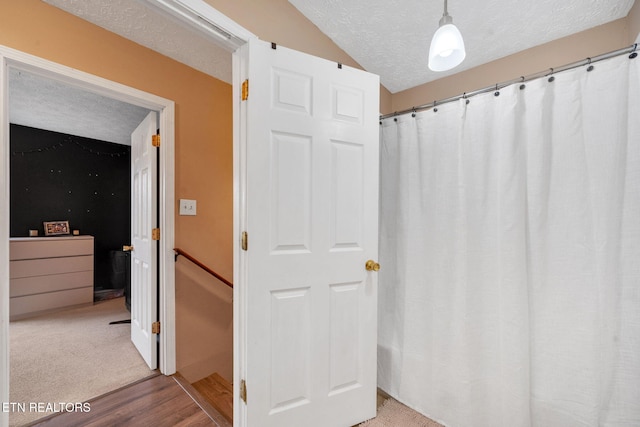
[291, 200]
[309, 324]
[144, 253]
[347, 168]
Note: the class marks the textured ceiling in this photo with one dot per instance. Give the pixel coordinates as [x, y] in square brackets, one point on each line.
[391, 37]
[47, 104]
[42, 103]
[387, 37]
[137, 21]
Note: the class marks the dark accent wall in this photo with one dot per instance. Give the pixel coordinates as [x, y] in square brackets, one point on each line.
[58, 177]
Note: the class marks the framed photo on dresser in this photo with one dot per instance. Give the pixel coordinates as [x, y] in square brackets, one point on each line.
[56, 228]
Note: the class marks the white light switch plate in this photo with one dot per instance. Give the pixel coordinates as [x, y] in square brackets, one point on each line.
[187, 207]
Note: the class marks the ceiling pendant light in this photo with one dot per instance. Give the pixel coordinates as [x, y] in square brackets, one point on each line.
[447, 47]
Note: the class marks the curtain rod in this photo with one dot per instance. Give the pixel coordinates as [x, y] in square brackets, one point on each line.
[630, 49]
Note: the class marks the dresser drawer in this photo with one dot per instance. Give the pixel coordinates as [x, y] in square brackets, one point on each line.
[46, 266]
[55, 282]
[20, 307]
[50, 247]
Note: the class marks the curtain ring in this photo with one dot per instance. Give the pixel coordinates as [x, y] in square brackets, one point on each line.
[413, 114]
[590, 67]
[551, 74]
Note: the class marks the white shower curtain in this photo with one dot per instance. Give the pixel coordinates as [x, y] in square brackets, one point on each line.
[510, 251]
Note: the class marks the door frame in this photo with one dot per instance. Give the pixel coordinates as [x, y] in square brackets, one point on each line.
[240, 267]
[12, 58]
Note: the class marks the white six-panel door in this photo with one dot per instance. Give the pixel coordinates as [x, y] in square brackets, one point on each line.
[308, 313]
[144, 253]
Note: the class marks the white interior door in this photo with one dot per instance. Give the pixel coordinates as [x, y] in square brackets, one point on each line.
[144, 254]
[310, 177]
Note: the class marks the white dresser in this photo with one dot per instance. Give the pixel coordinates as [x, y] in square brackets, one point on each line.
[49, 273]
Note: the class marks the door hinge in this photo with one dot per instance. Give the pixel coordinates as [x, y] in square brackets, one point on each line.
[243, 391]
[155, 328]
[245, 241]
[155, 234]
[155, 140]
[245, 90]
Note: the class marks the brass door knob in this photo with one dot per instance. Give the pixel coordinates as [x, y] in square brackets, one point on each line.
[371, 265]
[127, 248]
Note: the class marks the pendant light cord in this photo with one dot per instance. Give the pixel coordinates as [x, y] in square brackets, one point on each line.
[446, 18]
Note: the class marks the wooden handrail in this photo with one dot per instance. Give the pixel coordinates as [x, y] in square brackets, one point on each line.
[202, 266]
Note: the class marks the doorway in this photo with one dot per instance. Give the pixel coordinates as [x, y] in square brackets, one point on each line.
[62, 344]
[11, 59]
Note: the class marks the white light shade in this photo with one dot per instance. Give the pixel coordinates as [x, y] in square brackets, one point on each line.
[447, 48]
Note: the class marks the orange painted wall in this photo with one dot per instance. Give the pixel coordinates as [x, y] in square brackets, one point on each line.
[203, 129]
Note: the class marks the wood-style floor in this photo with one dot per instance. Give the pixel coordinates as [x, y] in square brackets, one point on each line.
[156, 401]
[159, 401]
[218, 392]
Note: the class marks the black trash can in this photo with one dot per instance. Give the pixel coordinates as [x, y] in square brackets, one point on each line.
[120, 277]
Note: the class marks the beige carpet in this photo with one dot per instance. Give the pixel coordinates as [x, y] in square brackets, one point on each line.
[394, 414]
[71, 356]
